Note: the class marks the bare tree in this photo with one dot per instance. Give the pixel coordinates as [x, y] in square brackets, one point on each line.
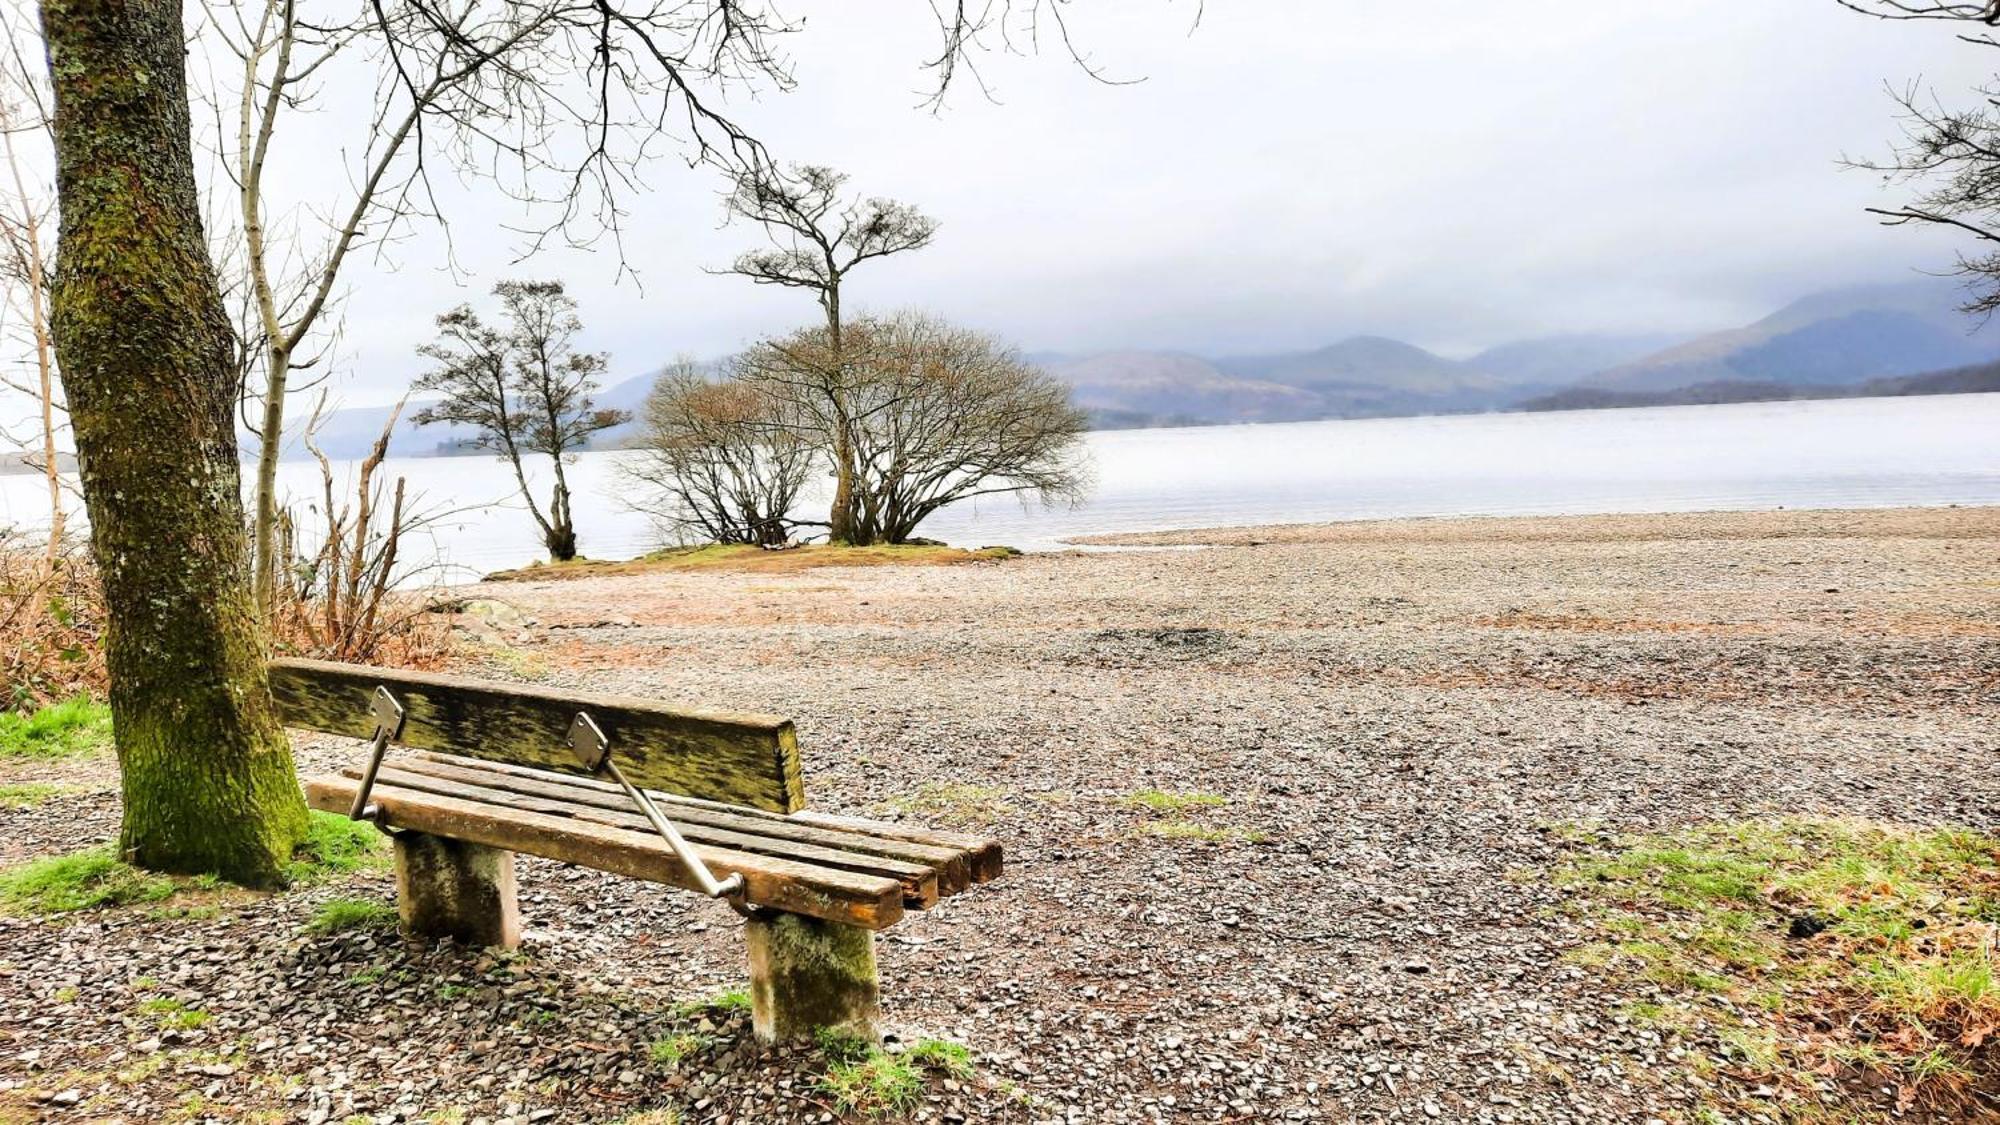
[147, 354]
[937, 415]
[816, 240]
[1951, 156]
[23, 243]
[525, 389]
[721, 461]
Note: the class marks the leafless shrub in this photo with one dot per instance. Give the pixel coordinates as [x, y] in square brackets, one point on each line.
[340, 599]
[933, 414]
[720, 462]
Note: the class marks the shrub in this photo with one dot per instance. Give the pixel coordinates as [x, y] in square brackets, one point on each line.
[51, 624]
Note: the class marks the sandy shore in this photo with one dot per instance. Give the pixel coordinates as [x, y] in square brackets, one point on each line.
[1395, 720]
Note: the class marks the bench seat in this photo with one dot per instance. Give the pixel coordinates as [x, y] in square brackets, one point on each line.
[840, 869]
[467, 773]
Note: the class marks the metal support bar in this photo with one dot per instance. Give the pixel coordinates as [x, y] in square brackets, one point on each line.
[388, 724]
[593, 750]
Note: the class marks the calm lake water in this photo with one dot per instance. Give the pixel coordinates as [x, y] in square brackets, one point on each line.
[1857, 453]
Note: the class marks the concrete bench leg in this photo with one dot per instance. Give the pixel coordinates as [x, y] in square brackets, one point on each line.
[806, 974]
[448, 888]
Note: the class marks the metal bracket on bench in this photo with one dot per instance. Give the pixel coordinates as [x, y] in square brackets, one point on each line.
[593, 751]
[388, 716]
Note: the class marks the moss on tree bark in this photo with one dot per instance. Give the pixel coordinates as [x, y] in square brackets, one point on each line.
[145, 349]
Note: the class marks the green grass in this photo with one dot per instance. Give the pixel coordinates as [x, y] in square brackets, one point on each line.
[670, 1050]
[722, 1003]
[338, 914]
[335, 846]
[60, 730]
[27, 796]
[961, 803]
[841, 1046]
[78, 881]
[1161, 801]
[876, 1084]
[954, 1060]
[174, 1014]
[1883, 933]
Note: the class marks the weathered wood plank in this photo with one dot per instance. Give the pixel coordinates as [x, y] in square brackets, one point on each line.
[870, 901]
[920, 883]
[983, 854]
[952, 866]
[736, 759]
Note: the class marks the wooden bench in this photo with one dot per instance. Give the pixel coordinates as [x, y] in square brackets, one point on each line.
[464, 773]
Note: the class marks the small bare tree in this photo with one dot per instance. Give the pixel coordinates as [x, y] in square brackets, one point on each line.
[936, 415]
[722, 462]
[525, 389]
[817, 238]
[24, 262]
[1952, 156]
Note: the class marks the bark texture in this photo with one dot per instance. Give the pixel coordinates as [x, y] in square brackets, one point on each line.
[144, 347]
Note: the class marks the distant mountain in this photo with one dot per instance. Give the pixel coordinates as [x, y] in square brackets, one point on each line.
[1554, 361]
[1977, 379]
[1134, 384]
[1840, 337]
[1366, 376]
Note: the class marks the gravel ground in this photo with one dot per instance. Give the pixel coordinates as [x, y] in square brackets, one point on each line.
[1397, 723]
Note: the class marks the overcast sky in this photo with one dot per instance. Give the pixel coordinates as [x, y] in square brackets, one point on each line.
[1456, 173]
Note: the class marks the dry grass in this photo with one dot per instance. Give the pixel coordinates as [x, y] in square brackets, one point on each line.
[756, 560]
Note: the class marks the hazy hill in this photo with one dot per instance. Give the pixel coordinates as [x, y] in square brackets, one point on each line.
[1839, 337]
[1553, 361]
[1977, 379]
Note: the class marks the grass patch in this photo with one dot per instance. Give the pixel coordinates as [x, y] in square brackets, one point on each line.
[338, 914]
[1204, 833]
[756, 560]
[173, 1014]
[669, 1051]
[1845, 954]
[61, 730]
[722, 1003]
[875, 1084]
[79, 881]
[335, 846]
[954, 1060]
[964, 804]
[1161, 801]
[665, 1116]
[18, 797]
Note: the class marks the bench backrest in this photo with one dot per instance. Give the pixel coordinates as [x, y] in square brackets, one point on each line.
[710, 755]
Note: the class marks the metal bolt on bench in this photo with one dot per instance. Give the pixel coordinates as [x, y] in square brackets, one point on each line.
[593, 751]
[388, 715]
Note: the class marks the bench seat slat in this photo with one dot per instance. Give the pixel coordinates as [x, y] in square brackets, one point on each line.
[920, 883]
[869, 901]
[982, 854]
[952, 865]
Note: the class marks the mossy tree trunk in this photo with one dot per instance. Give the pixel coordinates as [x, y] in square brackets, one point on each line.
[143, 344]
